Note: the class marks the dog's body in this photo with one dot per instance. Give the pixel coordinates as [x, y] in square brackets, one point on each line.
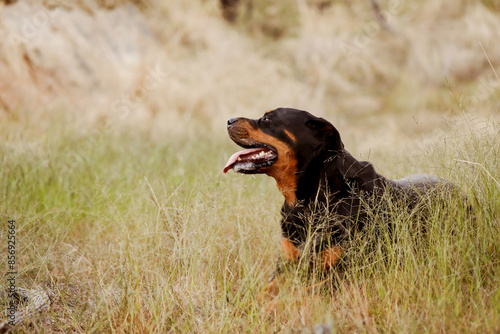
[325, 187]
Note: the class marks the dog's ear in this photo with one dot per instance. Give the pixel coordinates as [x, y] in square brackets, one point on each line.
[326, 132]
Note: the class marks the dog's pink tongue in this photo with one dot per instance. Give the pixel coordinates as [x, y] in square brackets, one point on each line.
[234, 157]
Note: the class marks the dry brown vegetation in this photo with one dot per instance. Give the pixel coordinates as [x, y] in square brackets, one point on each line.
[112, 127]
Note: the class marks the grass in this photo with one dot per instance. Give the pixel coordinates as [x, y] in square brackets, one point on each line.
[136, 216]
[186, 248]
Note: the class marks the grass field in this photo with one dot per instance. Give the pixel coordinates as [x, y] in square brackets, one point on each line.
[140, 231]
[185, 248]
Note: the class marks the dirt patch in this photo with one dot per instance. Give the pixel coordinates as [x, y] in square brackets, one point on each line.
[59, 55]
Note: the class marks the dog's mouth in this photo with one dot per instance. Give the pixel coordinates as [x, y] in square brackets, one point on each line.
[251, 160]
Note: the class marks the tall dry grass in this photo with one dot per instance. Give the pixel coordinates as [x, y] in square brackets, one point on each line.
[117, 189]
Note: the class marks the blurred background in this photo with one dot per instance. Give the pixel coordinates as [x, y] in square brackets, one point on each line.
[382, 71]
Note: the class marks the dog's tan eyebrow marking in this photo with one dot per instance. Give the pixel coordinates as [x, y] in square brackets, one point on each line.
[290, 135]
[267, 112]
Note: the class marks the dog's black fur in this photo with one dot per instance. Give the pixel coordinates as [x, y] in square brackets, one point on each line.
[306, 156]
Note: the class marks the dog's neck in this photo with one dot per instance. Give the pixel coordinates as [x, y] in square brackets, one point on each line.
[310, 176]
[289, 191]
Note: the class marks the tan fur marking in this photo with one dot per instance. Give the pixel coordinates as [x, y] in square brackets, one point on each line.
[330, 257]
[284, 169]
[289, 134]
[271, 290]
[289, 251]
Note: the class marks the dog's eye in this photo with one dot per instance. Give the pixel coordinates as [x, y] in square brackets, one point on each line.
[265, 119]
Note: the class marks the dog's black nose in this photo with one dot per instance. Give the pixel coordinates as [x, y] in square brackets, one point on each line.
[231, 121]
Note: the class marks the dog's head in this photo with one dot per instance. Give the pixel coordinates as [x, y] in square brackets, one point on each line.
[281, 144]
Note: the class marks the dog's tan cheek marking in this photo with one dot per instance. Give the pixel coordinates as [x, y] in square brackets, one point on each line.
[330, 257]
[289, 251]
[284, 169]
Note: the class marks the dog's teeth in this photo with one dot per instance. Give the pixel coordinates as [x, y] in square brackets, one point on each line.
[262, 154]
[257, 156]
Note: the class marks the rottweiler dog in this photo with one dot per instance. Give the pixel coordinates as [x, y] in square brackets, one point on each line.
[326, 189]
